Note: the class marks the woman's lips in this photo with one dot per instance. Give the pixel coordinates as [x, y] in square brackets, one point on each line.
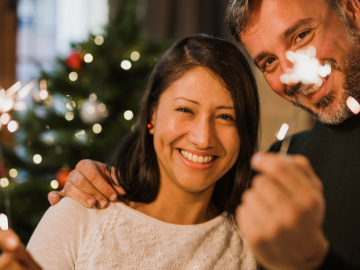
[196, 166]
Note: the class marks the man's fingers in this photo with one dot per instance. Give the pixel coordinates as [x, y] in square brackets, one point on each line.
[98, 176]
[74, 193]
[55, 196]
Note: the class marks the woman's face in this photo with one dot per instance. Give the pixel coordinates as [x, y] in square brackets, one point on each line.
[195, 136]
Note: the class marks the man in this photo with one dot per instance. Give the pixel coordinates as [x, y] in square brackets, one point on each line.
[283, 221]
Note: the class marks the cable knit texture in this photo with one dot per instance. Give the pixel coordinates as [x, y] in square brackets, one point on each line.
[120, 237]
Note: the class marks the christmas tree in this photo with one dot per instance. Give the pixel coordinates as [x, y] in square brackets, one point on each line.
[79, 111]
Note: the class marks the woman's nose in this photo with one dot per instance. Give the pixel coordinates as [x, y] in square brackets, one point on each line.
[202, 134]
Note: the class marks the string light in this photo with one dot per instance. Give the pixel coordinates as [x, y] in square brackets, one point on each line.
[4, 182]
[13, 126]
[71, 105]
[126, 65]
[135, 56]
[128, 115]
[99, 40]
[54, 184]
[49, 140]
[13, 173]
[97, 128]
[69, 116]
[73, 76]
[88, 58]
[37, 159]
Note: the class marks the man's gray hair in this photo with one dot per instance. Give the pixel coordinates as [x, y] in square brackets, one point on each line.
[238, 11]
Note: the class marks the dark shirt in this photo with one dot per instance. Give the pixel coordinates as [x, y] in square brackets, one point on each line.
[334, 153]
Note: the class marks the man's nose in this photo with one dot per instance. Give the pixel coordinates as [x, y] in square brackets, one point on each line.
[286, 66]
[203, 133]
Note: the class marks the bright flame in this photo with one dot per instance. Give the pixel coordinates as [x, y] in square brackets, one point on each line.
[128, 115]
[135, 56]
[125, 65]
[4, 223]
[13, 126]
[13, 89]
[7, 105]
[13, 173]
[73, 76]
[54, 184]
[97, 128]
[307, 68]
[282, 132]
[88, 58]
[37, 159]
[353, 105]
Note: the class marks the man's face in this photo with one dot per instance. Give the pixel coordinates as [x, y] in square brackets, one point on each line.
[277, 26]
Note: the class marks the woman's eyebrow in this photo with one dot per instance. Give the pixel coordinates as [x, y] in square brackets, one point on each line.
[195, 102]
[184, 98]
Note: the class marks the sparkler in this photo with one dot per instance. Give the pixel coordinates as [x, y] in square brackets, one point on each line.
[307, 71]
[8, 100]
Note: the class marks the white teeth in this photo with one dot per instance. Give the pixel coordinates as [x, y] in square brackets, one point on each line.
[195, 158]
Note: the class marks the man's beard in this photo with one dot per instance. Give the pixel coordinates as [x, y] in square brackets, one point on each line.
[330, 110]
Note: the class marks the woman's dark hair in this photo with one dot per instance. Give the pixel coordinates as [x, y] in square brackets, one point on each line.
[135, 160]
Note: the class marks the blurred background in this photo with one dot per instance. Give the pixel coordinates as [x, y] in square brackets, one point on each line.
[91, 59]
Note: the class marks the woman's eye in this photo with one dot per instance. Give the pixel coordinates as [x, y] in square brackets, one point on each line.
[226, 117]
[301, 36]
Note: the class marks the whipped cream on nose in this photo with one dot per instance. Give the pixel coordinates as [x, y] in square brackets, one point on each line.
[196, 159]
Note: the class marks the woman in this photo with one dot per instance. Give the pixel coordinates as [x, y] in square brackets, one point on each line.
[184, 168]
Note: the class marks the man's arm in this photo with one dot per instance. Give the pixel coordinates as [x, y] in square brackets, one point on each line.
[89, 184]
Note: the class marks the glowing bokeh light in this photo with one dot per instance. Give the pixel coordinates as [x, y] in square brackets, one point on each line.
[135, 56]
[88, 58]
[37, 159]
[43, 94]
[4, 182]
[73, 76]
[282, 132]
[13, 126]
[54, 184]
[93, 97]
[128, 115]
[101, 107]
[69, 116]
[7, 105]
[126, 65]
[71, 105]
[90, 109]
[5, 118]
[20, 106]
[97, 128]
[353, 105]
[4, 223]
[99, 40]
[13, 173]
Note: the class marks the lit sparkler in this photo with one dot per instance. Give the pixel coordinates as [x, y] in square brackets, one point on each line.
[307, 70]
[8, 100]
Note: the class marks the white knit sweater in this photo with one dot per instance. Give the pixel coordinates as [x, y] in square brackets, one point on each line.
[70, 236]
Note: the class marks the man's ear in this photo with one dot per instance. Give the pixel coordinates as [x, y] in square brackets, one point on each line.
[352, 12]
[152, 120]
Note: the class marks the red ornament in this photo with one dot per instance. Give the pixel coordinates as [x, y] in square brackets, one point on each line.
[74, 60]
[61, 177]
[150, 126]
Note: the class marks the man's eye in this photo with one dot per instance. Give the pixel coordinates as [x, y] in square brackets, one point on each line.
[301, 36]
[269, 62]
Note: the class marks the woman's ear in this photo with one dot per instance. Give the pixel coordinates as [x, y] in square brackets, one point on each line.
[152, 120]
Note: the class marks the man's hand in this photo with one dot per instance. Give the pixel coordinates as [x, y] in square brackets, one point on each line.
[15, 256]
[281, 215]
[89, 184]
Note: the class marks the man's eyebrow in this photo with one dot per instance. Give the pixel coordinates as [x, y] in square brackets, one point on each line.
[295, 27]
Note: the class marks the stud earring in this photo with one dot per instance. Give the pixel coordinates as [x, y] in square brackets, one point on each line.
[150, 126]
